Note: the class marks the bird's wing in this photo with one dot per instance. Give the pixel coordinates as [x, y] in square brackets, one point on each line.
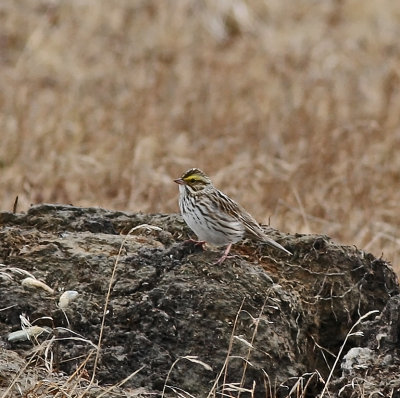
[251, 226]
[238, 213]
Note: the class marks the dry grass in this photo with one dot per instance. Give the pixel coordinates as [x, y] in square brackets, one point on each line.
[292, 107]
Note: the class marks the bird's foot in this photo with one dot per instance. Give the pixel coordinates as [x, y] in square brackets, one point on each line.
[225, 255]
[197, 242]
[223, 258]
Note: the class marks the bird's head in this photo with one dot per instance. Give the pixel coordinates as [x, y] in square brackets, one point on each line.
[195, 179]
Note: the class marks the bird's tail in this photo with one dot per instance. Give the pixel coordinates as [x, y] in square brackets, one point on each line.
[272, 243]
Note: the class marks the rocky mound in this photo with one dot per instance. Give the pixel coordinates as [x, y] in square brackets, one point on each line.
[262, 323]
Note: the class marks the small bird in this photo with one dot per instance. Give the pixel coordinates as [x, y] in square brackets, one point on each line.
[213, 216]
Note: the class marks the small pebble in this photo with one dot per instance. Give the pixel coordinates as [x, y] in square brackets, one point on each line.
[32, 282]
[66, 298]
[25, 334]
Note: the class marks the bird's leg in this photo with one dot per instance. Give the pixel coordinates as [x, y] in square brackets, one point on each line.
[225, 255]
[197, 242]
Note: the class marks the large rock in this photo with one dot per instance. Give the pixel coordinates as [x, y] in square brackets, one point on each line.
[261, 321]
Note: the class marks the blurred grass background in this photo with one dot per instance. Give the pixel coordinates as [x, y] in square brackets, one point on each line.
[292, 108]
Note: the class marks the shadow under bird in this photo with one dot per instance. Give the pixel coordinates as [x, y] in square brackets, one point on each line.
[214, 217]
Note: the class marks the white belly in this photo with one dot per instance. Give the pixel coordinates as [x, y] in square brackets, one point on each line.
[218, 233]
[213, 234]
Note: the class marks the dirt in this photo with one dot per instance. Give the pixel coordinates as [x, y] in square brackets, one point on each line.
[262, 321]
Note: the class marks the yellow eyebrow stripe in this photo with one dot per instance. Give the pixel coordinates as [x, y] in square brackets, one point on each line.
[193, 177]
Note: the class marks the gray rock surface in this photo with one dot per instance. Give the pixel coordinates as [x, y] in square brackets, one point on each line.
[261, 320]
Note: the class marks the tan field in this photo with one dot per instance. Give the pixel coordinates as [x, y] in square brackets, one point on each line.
[292, 108]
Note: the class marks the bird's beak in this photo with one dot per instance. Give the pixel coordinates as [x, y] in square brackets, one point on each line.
[180, 181]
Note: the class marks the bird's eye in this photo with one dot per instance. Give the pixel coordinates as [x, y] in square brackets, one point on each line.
[192, 180]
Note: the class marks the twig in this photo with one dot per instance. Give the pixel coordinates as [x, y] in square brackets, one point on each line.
[96, 359]
[349, 334]
[225, 365]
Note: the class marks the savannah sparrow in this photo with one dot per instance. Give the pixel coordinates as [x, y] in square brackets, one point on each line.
[214, 217]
